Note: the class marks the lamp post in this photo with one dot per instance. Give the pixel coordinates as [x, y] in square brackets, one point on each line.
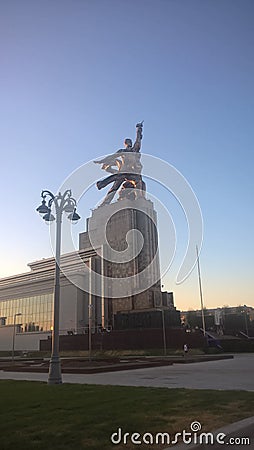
[163, 331]
[14, 334]
[62, 203]
[90, 321]
[90, 312]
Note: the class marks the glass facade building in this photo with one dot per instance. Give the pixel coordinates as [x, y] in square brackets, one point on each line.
[36, 313]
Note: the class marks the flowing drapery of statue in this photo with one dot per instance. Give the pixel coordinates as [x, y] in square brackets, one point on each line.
[125, 168]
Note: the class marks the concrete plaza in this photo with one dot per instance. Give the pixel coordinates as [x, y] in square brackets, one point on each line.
[228, 374]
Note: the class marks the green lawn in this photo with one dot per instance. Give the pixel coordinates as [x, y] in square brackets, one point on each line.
[67, 417]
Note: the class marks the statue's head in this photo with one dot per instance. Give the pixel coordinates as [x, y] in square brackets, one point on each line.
[128, 143]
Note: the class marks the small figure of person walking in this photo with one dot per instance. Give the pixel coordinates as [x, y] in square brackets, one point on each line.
[185, 349]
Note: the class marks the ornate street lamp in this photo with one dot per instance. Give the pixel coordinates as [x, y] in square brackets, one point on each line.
[62, 203]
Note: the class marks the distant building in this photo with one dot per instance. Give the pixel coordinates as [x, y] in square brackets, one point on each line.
[228, 319]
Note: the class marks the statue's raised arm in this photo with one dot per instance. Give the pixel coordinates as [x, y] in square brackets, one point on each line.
[137, 144]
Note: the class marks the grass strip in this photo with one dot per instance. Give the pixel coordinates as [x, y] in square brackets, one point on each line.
[71, 416]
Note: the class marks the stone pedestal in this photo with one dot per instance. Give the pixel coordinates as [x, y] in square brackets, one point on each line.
[129, 259]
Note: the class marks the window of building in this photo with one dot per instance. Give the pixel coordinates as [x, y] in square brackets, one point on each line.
[36, 313]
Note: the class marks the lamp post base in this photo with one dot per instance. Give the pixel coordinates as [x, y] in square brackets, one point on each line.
[55, 376]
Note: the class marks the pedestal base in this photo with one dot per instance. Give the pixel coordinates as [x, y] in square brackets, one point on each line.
[55, 376]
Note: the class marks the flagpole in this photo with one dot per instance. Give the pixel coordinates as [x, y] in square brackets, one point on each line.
[201, 294]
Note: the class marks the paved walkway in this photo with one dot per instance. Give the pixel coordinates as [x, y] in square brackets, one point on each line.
[237, 436]
[229, 374]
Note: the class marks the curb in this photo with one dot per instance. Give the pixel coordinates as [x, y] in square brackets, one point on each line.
[231, 429]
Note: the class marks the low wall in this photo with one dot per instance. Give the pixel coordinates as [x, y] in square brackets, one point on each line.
[129, 339]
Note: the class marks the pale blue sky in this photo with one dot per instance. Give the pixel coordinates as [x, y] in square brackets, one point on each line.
[75, 78]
